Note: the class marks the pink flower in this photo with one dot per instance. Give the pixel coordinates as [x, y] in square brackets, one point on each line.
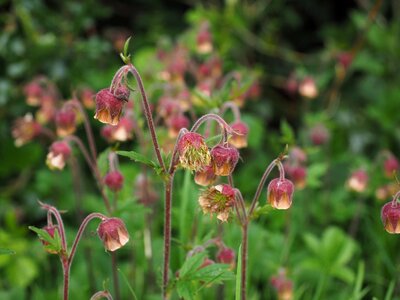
[113, 233]
[280, 193]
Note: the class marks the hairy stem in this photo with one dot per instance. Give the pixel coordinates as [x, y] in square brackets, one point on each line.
[167, 234]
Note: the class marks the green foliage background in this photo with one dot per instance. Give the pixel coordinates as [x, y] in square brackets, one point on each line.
[71, 43]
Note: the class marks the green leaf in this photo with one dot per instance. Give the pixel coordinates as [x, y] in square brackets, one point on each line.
[4, 251]
[126, 47]
[53, 243]
[288, 136]
[192, 264]
[238, 274]
[137, 157]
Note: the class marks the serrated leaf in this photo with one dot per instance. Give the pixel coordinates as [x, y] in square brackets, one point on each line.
[213, 273]
[4, 251]
[192, 264]
[137, 157]
[288, 136]
[53, 243]
[185, 289]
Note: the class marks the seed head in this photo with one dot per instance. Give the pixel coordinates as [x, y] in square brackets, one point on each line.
[193, 152]
[218, 199]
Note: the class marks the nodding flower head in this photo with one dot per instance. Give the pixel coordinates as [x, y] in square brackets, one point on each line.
[391, 165]
[358, 181]
[59, 153]
[308, 88]
[204, 41]
[113, 233]
[33, 92]
[226, 256]
[193, 152]
[283, 286]
[280, 193]
[390, 215]
[87, 97]
[224, 159]
[114, 181]
[25, 129]
[109, 105]
[319, 135]
[218, 200]
[176, 123]
[205, 176]
[239, 135]
[65, 121]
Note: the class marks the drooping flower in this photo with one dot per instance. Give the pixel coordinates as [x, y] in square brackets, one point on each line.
[391, 165]
[308, 88]
[226, 256]
[224, 159]
[319, 135]
[176, 123]
[113, 233]
[193, 152]
[25, 129]
[218, 200]
[59, 153]
[390, 215]
[205, 176]
[65, 120]
[358, 181]
[33, 92]
[239, 135]
[109, 105]
[282, 285]
[280, 193]
[114, 180]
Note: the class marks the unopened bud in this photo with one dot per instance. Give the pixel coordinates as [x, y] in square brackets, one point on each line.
[224, 159]
[390, 215]
[114, 181]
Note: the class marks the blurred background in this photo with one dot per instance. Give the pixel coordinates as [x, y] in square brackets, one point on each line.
[319, 76]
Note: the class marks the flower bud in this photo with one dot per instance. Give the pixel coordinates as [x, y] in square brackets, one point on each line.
[299, 176]
[193, 152]
[390, 215]
[280, 193]
[283, 286]
[206, 262]
[226, 256]
[176, 123]
[59, 153]
[205, 177]
[319, 135]
[358, 181]
[345, 59]
[113, 233]
[25, 129]
[114, 181]
[50, 229]
[218, 199]
[65, 120]
[224, 159]
[239, 135]
[109, 105]
[391, 165]
[308, 88]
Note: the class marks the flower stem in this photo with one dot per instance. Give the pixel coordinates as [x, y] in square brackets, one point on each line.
[167, 234]
[148, 115]
[66, 269]
[244, 261]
